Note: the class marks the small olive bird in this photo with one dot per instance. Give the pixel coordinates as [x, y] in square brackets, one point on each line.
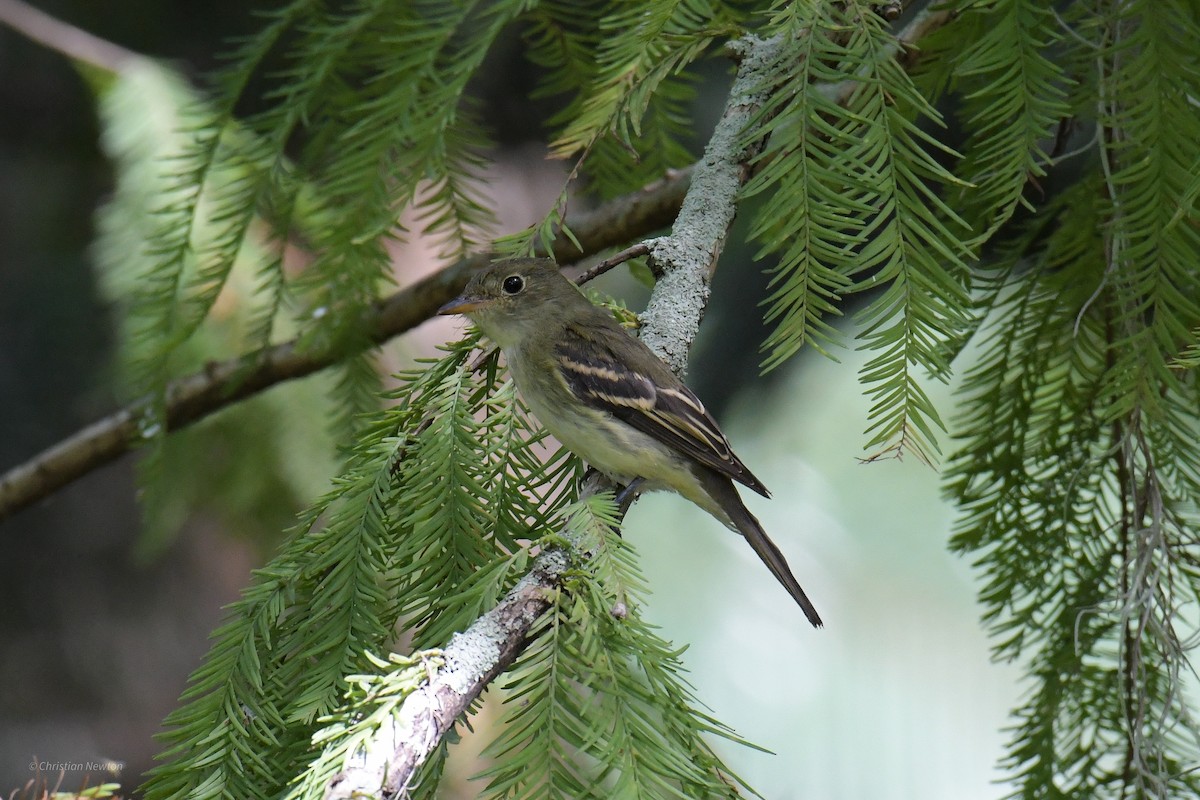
[602, 393]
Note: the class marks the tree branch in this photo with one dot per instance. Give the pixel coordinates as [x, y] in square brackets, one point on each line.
[62, 37]
[385, 767]
[685, 260]
[223, 383]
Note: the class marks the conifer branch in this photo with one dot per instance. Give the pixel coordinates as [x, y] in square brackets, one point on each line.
[387, 764]
[223, 383]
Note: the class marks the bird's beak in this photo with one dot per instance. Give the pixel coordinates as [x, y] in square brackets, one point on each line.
[462, 305]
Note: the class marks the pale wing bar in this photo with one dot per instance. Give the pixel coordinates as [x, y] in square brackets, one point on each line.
[674, 416]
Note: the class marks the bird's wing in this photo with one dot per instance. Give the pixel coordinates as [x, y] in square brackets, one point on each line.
[659, 405]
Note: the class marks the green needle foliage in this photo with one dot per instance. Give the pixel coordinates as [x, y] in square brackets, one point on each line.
[255, 490]
[1015, 196]
[430, 523]
[597, 706]
[632, 97]
[853, 206]
[1077, 467]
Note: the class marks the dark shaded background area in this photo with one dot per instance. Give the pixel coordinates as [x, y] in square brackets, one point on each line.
[97, 647]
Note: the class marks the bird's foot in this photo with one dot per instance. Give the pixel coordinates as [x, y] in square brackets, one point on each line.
[626, 496]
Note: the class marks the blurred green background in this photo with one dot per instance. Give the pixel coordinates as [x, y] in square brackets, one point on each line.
[95, 645]
[896, 698]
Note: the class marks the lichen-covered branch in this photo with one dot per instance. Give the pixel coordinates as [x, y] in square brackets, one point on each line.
[386, 765]
[686, 259]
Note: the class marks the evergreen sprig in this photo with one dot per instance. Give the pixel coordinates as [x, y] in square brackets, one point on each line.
[1147, 85]
[855, 205]
[627, 115]
[281, 471]
[215, 178]
[1006, 64]
[392, 540]
[634, 101]
[372, 701]
[1078, 468]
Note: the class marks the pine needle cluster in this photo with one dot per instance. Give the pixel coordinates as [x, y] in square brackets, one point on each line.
[854, 204]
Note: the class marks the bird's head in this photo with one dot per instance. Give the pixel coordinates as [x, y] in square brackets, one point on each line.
[510, 300]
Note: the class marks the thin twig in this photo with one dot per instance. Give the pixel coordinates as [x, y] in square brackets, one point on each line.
[62, 37]
[639, 249]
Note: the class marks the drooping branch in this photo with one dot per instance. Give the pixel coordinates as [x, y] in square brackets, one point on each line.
[223, 383]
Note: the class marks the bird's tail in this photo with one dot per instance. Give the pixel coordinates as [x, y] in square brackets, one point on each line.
[721, 489]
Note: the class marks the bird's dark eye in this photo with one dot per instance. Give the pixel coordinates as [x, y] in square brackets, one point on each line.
[513, 284]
